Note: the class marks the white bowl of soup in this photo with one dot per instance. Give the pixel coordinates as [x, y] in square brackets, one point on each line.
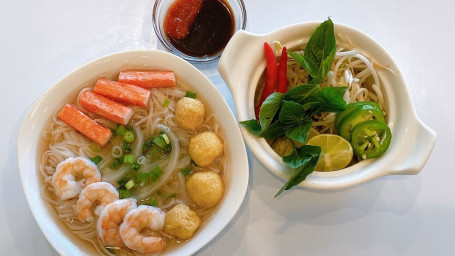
[132, 161]
[243, 67]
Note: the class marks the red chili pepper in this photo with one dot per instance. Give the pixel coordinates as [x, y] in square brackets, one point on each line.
[282, 72]
[270, 77]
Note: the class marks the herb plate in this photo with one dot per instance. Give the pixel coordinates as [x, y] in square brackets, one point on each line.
[242, 64]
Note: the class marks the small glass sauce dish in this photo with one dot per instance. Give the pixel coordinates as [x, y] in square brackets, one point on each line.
[198, 30]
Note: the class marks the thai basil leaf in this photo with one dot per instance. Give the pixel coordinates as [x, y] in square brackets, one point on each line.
[298, 58]
[291, 112]
[269, 109]
[276, 129]
[300, 132]
[320, 52]
[303, 159]
[300, 93]
[252, 126]
[329, 99]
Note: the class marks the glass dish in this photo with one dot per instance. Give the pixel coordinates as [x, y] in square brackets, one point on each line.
[159, 13]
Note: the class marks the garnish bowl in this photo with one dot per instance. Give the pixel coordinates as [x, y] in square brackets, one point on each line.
[242, 64]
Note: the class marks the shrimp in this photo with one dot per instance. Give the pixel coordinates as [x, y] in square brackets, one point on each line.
[93, 199]
[143, 219]
[110, 219]
[72, 174]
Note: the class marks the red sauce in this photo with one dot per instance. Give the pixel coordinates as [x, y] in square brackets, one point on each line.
[199, 27]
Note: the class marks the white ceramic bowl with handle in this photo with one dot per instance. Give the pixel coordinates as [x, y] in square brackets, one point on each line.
[30, 145]
[242, 64]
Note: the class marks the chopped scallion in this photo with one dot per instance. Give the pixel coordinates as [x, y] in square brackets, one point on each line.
[190, 94]
[153, 202]
[122, 182]
[148, 144]
[166, 138]
[122, 193]
[130, 184]
[187, 171]
[135, 166]
[115, 163]
[159, 141]
[166, 102]
[120, 130]
[142, 176]
[96, 159]
[128, 159]
[156, 173]
[128, 136]
[126, 147]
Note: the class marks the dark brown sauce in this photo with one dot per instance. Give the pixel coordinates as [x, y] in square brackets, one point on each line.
[210, 32]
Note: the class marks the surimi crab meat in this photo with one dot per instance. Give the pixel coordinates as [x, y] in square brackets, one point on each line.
[84, 124]
[105, 107]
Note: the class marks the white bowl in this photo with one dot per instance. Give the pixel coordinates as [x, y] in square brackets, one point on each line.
[243, 62]
[30, 142]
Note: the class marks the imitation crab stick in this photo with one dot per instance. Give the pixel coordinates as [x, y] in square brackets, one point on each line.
[105, 107]
[84, 124]
[123, 92]
[148, 79]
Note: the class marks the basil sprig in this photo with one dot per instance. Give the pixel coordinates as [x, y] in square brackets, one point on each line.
[290, 114]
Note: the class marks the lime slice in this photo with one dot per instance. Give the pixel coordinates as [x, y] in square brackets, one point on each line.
[336, 152]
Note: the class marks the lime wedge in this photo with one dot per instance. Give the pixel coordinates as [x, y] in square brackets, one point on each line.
[336, 152]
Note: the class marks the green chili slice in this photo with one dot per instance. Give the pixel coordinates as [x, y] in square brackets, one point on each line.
[370, 139]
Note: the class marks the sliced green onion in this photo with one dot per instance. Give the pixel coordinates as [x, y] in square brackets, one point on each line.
[190, 94]
[159, 141]
[187, 171]
[96, 159]
[128, 159]
[166, 102]
[95, 147]
[122, 182]
[128, 136]
[142, 176]
[115, 163]
[166, 138]
[153, 202]
[157, 153]
[120, 130]
[148, 144]
[122, 193]
[135, 166]
[156, 173]
[130, 184]
[126, 147]
[172, 196]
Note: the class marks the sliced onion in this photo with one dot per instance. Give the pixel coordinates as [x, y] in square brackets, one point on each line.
[146, 191]
[114, 176]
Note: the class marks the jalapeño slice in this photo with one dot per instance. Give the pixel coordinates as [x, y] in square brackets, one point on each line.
[357, 114]
[370, 139]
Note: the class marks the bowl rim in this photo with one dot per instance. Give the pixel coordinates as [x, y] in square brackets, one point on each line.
[193, 59]
[359, 173]
[28, 157]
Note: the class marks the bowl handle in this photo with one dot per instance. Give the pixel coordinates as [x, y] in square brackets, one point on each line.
[233, 54]
[419, 144]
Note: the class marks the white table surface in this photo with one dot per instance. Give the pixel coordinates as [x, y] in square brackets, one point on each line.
[42, 41]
